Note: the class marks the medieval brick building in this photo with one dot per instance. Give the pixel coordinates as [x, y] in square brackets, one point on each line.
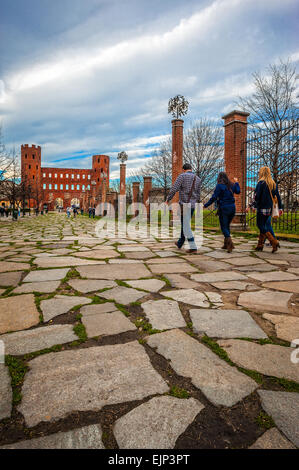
[63, 187]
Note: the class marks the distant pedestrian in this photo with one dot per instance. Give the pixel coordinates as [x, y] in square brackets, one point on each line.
[2, 211]
[93, 212]
[188, 186]
[75, 211]
[267, 203]
[82, 211]
[89, 212]
[224, 196]
[6, 211]
[68, 212]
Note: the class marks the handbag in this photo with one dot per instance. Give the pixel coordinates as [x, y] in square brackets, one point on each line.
[275, 209]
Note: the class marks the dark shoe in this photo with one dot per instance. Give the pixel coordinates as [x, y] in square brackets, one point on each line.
[229, 245]
[178, 246]
[274, 242]
[192, 250]
[260, 243]
[224, 244]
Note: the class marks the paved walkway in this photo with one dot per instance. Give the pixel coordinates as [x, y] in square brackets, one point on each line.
[127, 343]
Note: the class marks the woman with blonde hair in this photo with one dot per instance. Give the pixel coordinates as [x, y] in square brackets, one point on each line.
[266, 200]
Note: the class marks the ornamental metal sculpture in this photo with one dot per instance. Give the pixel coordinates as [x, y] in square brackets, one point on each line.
[178, 106]
[122, 156]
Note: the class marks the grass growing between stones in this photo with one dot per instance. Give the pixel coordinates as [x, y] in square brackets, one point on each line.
[17, 369]
[265, 421]
[32, 355]
[79, 330]
[147, 327]
[179, 392]
[217, 349]
[288, 385]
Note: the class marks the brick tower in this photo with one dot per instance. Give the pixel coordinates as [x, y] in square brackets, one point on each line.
[31, 169]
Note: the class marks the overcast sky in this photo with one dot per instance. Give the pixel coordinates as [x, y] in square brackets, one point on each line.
[84, 77]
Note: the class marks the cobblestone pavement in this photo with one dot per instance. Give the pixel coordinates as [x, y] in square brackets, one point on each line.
[132, 343]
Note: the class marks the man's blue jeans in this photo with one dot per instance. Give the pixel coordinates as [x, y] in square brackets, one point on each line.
[226, 215]
[186, 232]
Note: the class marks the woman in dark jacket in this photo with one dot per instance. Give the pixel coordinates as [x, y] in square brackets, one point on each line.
[265, 195]
[224, 195]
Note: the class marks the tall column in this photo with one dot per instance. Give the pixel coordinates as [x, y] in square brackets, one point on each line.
[136, 186]
[235, 135]
[122, 186]
[177, 150]
[146, 192]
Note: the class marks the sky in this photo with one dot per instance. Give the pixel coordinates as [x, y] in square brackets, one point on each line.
[85, 77]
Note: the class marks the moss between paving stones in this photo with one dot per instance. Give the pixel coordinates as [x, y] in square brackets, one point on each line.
[17, 369]
[265, 421]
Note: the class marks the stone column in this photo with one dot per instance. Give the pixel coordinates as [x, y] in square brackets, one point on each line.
[146, 190]
[235, 135]
[177, 151]
[136, 186]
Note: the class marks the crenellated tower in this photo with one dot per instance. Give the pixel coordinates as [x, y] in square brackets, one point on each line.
[31, 164]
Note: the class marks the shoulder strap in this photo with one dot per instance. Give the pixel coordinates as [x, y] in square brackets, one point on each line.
[191, 190]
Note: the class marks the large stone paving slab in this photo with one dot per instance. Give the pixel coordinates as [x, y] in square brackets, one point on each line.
[234, 285]
[272, 439]
[5, 392]
[59, 261]
[87, 379]
[105, 324]
[225, 324]
[88, 437]
[181, 282]
[209, 265]
[172, 268]
[165, 260]
[122, 295]
[245, 261]
[163, 314]
[269, 359]
[43, 275]
[45, 287]
[89, 285]
[221, 383]
[286, 326]
[23, 342]
[61, 304]
[286, 286]
[18, 313]
[188, 296]
[6, 266]
[156, 424]
[151, 285]
[284, 409]
[272, 276]
[10, 279]
[98, 254]
[218, 276]
[265, 300]
[130, 271]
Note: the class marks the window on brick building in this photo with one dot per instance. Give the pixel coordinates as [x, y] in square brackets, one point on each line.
[55, 176]
[78, 177]
[88, 177]
[78, 186]
[44, 186]
[37, 167]
[26, 155]
[83, 187]
[61, 186]
[55, 186]
[50, 186]
[44, 175]
[88, 187]
[67, 175]
[50, 175]
[29, 167]
[61, 175]
[73, 176]
[66, 186]
[33, 177]
[98, 179]
[83, 177]
[33, 156]
[72, 186]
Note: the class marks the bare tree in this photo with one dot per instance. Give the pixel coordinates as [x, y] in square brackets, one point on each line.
[10, 186]
[273, 120]
[159, 167]
[6, 160]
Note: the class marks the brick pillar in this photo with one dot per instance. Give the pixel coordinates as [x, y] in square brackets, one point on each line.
[146, 190]
[136, 186]
[177, 151]
[235, 135]
[122, 186]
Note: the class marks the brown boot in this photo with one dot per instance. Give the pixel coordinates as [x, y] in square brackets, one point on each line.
[229, 245]
[274, 242]
[261, 241]
[224, 244]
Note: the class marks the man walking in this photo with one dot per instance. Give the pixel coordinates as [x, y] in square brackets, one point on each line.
[188, 186]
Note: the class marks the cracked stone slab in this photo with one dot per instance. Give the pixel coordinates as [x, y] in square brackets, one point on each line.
[163, 314]
[265, 300]
[24, 342]
[272, 439]
[44, 275]
[156, 424]
[60, 261]
[89, 285]
[269, 359]
[181, 282]
[284, 409]
[87, 437]
[45, 287]
[286, 286]
[151, 285]
[105, 324]
[87, 380]
[61, 304]
[272, 276]
[115, 271]
[225, 324]
[172, 268]
[221, 383]
[18, 313]
[219, 276]
[10, 279]
[188, 296]
[286, 326]
[234, 285]
[5, 392]
[6, 266]
[122, 295]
